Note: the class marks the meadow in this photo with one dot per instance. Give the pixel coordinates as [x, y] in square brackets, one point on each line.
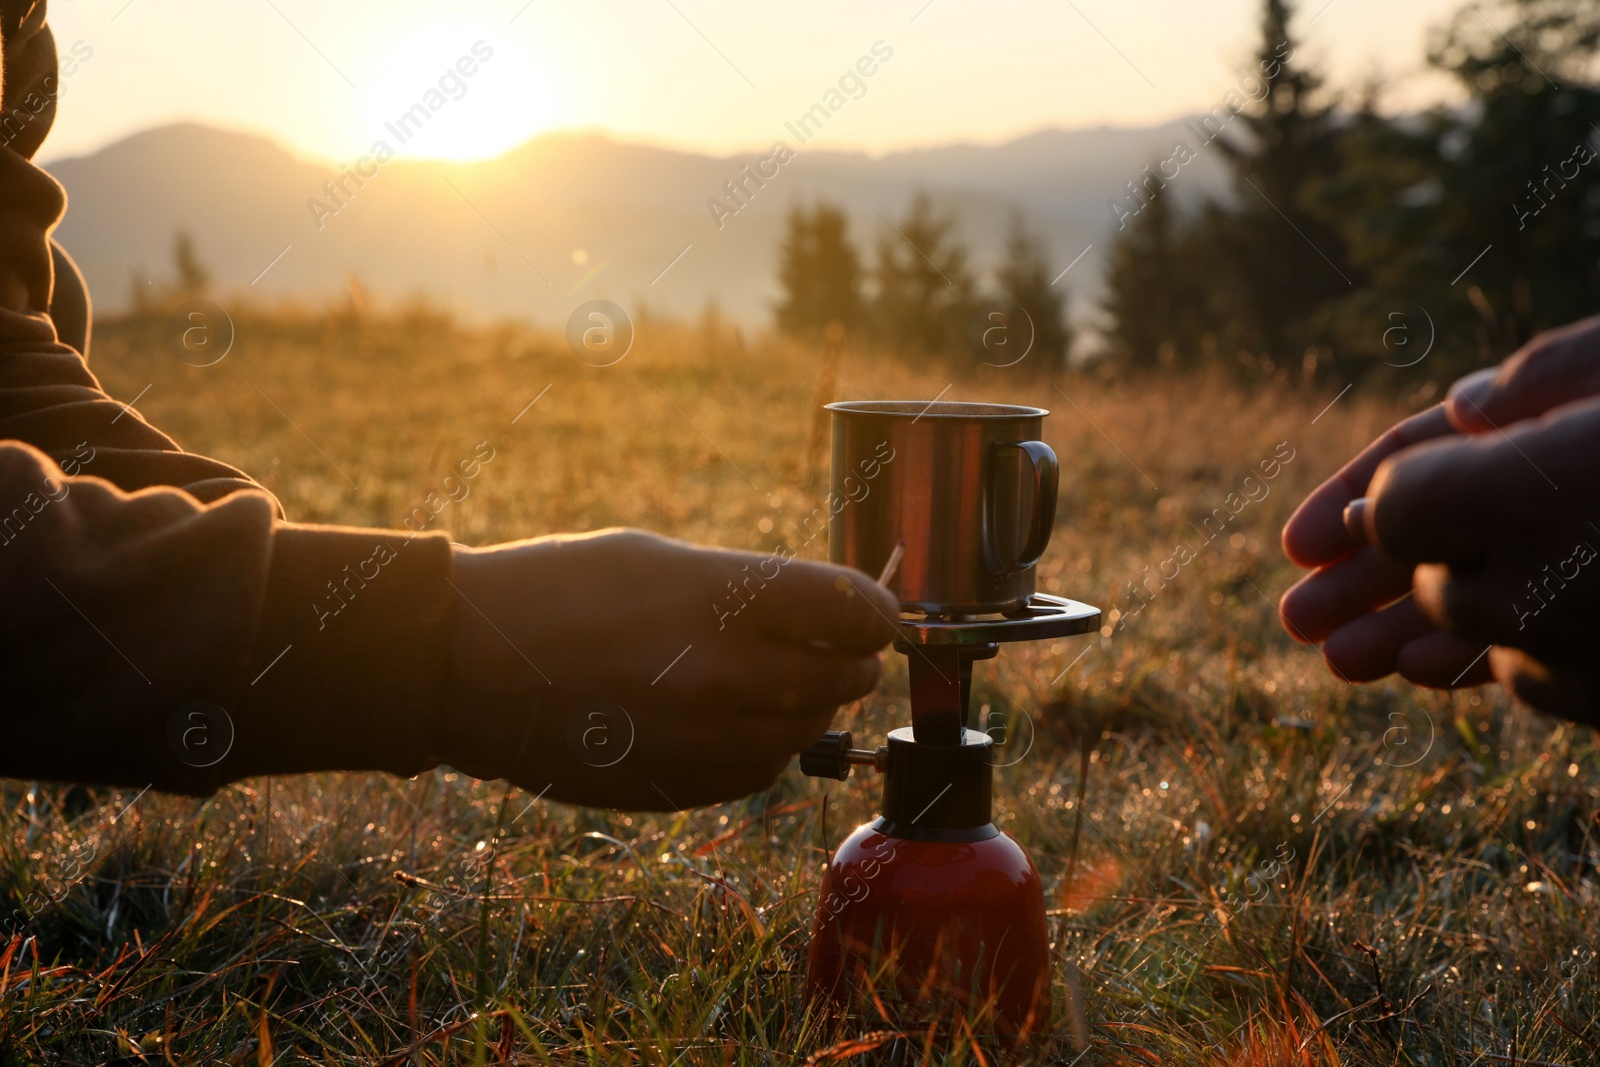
[1246, 861]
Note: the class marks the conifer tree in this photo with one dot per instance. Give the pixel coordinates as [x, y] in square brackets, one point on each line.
[820, 272]
[924, 296]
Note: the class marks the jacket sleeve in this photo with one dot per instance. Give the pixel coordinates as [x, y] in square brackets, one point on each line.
[150, 639]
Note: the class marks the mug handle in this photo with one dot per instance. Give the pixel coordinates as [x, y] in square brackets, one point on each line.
[1046, 481]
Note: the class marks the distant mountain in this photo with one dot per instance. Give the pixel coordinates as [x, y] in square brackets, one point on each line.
[570, 216]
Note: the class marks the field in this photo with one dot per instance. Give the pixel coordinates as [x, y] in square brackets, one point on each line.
[1246, 861]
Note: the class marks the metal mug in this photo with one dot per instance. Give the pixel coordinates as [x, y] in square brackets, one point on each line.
[970, 490]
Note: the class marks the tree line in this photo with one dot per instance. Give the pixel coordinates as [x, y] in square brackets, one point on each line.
[920, 296]
[1347, 239]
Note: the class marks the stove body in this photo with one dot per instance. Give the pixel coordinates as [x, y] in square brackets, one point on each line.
[930, 908]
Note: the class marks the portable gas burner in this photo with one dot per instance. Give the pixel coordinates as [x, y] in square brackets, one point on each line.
[930, 902]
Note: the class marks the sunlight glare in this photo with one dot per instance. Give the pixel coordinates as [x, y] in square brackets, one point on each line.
[472, 90]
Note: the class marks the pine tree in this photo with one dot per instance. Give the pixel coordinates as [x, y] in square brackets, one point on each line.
[1155, 290]
[924, 297]
[1025, 285]
[1286, 260]
[820, 272]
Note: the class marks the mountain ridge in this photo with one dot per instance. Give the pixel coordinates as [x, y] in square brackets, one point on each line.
[568, 215]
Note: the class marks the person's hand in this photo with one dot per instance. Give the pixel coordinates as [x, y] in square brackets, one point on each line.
[1503, 530]
[1358, 601]
[625, 670]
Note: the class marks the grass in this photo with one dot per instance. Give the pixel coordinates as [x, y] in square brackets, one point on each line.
[1273, 867]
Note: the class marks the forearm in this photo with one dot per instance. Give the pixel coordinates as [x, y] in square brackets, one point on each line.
[322, 651]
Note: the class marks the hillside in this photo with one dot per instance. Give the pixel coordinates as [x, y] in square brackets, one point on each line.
[501, 237]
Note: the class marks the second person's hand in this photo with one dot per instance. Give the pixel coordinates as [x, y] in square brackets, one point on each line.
[1503, 532]
[1357, 603]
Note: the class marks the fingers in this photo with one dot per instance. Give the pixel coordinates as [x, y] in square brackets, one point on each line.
[1570, 694]
[819, 602]
[1449, 501]
[1369, 648]
[1501, 606]
[1315, 535]
[1480, 607]
[1443, 661]
[1553, 369]
[800, 677]
[1328, 599]
[760, 676]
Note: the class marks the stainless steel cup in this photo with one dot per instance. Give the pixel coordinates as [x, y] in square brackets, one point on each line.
[969, 488]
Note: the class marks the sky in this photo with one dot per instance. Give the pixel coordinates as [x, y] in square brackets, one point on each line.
[324, 78]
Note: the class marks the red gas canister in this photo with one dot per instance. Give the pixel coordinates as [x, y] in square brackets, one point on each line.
[929, 910]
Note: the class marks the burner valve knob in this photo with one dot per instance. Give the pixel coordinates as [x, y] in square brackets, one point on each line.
[832, 756]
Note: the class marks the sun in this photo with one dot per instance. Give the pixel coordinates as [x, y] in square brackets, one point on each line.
[458, 89]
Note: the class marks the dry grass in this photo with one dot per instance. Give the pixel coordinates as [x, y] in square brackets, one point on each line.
[1435, 903]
